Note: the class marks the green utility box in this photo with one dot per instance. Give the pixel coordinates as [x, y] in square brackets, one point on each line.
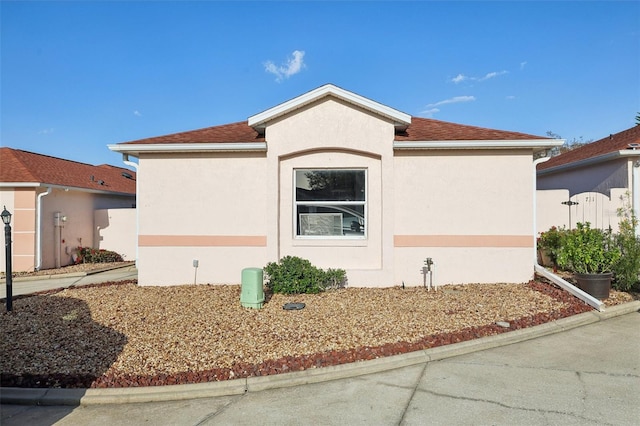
[252, 293]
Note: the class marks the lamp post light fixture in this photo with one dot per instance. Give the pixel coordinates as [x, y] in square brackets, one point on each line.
[6, 219]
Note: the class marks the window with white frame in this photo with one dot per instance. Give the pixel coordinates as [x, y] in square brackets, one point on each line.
[330, 203]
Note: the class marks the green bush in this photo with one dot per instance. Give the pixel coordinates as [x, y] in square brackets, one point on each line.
[587, 250]
[627, 268]
[550, 242]
[91, 255]
[293, 275]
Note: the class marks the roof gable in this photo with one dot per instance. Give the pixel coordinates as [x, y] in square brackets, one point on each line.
[614, 143]
[258, 121]
[17, 166]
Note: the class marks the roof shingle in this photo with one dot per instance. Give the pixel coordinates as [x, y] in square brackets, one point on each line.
[420, 129]
[28, 167]
[606, 145]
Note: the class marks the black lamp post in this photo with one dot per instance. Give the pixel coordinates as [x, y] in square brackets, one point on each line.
[6, 219]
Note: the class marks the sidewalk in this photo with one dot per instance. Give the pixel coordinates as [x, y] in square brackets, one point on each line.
[33, 284]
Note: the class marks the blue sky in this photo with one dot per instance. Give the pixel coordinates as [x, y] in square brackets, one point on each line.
[76, 76]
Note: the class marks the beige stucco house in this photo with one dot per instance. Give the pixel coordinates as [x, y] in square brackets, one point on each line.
[343, 181]
[58, 205]
[597, 178]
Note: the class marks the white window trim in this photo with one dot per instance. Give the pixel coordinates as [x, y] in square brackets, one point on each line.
[333, 238]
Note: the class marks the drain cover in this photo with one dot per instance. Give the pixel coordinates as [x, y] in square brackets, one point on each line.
[293, 306]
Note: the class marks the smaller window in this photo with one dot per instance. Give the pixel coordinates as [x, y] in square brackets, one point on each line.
[330, 203]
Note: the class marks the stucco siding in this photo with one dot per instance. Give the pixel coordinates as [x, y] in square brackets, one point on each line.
[470, 212]
[115, 230]
[332, 134]
[202, 195]
[163, 266]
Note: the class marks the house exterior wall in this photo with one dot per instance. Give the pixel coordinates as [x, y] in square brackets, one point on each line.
[205, 207]
[115, 230]
[344, 137]
[59, 242]
[20, 202]
[470, 211]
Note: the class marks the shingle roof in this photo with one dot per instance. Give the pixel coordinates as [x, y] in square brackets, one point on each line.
[27, 167]
[612, 143]
[227, 133]
[420, 129]
[427, 129]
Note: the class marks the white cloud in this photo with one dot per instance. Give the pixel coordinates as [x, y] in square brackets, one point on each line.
[430, 112]
[522, 65]
[137, 113]
[293, 66]
[461, 77]
[511, 97]
[454, 100]
[493, 75]
[46, 131]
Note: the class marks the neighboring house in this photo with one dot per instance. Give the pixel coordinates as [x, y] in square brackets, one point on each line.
[597, 176]
[58, 205]
[343, 181]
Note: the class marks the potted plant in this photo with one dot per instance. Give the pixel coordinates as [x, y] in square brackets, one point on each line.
[590, 254]
[549, 242]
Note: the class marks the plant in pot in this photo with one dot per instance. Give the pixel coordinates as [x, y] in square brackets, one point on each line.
[590, 254]
[549, 242]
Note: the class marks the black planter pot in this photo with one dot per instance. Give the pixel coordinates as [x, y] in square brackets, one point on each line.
[597, 285]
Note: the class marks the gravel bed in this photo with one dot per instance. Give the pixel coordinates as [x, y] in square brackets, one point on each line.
[122, 334]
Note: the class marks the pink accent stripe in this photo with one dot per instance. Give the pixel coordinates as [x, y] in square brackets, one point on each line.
[463, 241]
[202, 241]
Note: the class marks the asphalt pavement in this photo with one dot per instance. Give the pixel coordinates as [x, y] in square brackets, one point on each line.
[583, 370]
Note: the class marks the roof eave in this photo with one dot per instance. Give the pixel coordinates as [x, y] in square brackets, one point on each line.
[400, 119]
[536, 144]
[64, 187]
[589, 161]
[136, 149]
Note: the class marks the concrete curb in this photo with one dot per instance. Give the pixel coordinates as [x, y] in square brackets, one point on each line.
[76, 397]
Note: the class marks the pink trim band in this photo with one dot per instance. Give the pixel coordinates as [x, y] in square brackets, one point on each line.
[463, 241]
[202, 241]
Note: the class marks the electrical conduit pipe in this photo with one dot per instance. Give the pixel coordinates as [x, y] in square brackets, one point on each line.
[541, 270]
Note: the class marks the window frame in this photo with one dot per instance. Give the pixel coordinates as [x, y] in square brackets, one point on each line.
[330, 204]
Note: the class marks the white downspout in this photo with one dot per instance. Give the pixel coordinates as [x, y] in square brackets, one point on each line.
[38, 228]
[541, 270]
[125, 160]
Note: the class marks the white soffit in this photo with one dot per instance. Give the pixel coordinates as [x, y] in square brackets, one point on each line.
[400, 119]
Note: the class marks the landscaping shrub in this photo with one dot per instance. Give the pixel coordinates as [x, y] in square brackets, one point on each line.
[550, 242]
[91, 255]
[627, 268]
[293, 275]
[587, 250]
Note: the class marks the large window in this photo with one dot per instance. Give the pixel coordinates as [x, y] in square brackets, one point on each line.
[330, 202]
